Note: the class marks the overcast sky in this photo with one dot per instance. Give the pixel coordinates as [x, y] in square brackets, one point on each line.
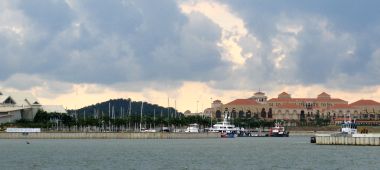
[77, 53]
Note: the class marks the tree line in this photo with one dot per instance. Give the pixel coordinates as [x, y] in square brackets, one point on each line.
[66, 122]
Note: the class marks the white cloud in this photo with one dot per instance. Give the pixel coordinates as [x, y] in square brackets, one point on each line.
[13, 24]
[233, 30]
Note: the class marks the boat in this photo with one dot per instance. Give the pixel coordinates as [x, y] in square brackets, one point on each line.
[193, 128]
[149, 130]
[227, 135]
[348, 127]
[226, 129]
[257, 132]
[278, 131]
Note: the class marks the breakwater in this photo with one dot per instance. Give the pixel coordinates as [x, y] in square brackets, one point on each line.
[309, 133]
[356, 139]
[108, 135]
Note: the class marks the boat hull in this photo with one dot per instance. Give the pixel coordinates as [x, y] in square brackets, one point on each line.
[280, 135]
[228, 135]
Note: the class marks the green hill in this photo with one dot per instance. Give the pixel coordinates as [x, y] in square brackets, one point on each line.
[122, 107]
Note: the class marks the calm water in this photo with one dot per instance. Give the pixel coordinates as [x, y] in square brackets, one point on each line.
[240, 153]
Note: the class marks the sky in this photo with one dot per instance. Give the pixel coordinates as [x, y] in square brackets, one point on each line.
[78, 53]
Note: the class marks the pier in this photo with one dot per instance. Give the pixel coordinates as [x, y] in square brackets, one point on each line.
[108, 135]
[355, 139]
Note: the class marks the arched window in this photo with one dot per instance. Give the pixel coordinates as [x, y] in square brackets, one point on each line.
[248, 114]
[218, 114]
[234, 114]
[270, 115]
[241, 114]
[302, 115]
[263, 113]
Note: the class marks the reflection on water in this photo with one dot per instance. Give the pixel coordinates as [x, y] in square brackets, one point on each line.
[239, 153]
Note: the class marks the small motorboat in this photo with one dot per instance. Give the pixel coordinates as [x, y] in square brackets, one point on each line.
[227, 135]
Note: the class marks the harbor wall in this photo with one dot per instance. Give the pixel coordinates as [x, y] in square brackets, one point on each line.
[108, 135]
[367, 140]
[309, 133]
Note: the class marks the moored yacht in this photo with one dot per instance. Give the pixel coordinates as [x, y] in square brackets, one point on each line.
[193, 128]
[226, 129]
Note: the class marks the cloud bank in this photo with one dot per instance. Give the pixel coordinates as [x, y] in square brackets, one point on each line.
[152, 50]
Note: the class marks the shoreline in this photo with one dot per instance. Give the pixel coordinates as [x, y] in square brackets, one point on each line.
[102, 135]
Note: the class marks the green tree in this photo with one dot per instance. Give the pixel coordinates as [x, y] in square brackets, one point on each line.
[41, 117]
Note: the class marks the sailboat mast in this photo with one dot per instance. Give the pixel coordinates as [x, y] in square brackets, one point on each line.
[109, 115]
[168, 108]
[175, 108]
[142, 105]
[154, 119]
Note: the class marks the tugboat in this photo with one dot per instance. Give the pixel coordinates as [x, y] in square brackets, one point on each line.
[278, 131]
[226, 129]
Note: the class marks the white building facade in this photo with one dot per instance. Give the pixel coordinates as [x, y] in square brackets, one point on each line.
[16, 106]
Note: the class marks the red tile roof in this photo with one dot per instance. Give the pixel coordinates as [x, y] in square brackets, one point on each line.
[305, 100]
[290, 106]
[365, 103]
[323, 95]
[243, 102]
[341, 106]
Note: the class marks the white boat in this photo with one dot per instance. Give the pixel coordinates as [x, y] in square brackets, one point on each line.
[348, 128]
[225, 127]
[193, 128]
[148, 130]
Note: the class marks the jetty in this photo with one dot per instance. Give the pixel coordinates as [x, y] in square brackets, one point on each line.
[139, 135]
[348, 139]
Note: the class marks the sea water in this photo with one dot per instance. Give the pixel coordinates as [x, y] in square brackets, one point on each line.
[239, 153]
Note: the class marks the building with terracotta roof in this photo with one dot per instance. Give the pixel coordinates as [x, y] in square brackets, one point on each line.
[295, 110]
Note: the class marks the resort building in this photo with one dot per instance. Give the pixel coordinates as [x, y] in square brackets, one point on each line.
[295, 110]
[16, 106]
